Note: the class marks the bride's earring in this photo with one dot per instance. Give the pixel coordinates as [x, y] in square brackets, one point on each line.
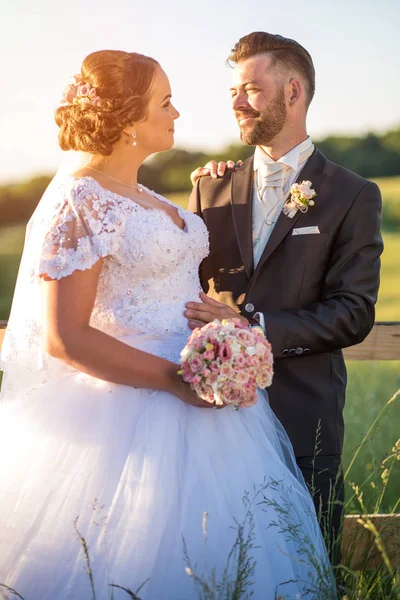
[134, 143]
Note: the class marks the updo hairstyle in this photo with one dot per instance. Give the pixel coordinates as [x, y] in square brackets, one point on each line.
[122, 81]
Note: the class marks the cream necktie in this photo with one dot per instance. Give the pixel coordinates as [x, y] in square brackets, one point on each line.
[270, 197]
[272, 175]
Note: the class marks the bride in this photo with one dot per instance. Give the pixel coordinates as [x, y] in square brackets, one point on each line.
[113, 472]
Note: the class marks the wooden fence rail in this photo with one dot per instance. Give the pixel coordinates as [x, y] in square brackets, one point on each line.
[358, 545]
[383, 343]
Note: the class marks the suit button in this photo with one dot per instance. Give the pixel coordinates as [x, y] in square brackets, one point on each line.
[292, 351]
[249, 307]
[306, 350]
[285, 351]
[299, 350]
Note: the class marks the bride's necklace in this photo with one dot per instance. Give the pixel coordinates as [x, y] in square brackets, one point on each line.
[138, 188]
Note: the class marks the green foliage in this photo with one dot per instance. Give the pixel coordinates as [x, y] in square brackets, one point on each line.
[371, 156]
[11, 243]
[390, 190]
[18, 201]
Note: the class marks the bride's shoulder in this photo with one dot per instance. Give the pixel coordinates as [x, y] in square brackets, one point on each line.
[84, 190]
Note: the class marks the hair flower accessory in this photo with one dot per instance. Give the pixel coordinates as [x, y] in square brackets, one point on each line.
[77, 91]
[301, 198]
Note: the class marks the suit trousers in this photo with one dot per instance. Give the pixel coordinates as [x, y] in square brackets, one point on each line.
[324, 477]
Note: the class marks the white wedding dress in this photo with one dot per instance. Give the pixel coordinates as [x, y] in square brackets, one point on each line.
[138, 468]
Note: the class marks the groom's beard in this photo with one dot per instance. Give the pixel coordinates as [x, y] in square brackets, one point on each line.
[267, 124]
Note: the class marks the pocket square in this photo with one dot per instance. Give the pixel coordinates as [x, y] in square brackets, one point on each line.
[304, 230]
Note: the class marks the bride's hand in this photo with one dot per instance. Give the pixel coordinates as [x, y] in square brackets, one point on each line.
[183, 391]
[214, 169]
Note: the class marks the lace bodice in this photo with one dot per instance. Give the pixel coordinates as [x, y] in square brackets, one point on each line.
[150, 266]
[149, 271]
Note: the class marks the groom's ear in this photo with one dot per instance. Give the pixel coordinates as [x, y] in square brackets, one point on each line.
[295, 91]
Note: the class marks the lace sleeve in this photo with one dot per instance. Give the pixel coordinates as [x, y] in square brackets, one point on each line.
[87, 226]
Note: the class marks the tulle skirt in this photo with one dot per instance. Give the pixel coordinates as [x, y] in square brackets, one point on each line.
[104, 485]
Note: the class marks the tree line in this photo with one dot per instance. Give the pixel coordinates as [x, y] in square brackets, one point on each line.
[370, 156]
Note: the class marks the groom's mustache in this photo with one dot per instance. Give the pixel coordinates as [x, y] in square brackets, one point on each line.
[246, 114]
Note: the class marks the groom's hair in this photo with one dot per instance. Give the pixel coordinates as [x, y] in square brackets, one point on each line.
[285, 53]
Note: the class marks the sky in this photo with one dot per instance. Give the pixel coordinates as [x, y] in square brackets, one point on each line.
[355, 46]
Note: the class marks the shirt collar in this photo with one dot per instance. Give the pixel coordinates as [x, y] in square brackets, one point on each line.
[291, 159]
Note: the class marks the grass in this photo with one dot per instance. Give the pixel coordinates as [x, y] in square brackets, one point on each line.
[390, 188]
[11, 244]
[371, 385]
[388, 306]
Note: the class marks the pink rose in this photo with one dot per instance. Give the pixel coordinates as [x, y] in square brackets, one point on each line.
[264, 381]
[83, 90]
[226, 370]
[249, 402]
[231, 392]
[241, 376]
[250, 387]
[212, 378]
[253, 361]
[251, 372]
[204, 391]
[187, 376]
[198, 345]
[264, 377]
[246, 337]
[196, 363]
[215, 367]
[209, 355]
[240, 361]
[260, 349]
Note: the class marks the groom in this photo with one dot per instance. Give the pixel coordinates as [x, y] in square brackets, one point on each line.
[307, 271]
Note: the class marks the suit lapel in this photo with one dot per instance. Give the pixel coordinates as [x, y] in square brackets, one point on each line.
[312, 171]
[241, 198]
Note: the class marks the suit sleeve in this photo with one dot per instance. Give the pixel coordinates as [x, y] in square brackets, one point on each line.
[194, 206]
[346, 313]
[194, 199]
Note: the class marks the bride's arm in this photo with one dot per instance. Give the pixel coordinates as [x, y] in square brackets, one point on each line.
[68, 303]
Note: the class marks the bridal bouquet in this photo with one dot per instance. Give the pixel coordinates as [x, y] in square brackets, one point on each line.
[225, 361]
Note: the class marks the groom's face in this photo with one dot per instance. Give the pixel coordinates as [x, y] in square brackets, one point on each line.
[258, 100]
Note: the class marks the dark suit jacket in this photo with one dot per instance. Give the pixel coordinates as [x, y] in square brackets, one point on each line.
[317, 292]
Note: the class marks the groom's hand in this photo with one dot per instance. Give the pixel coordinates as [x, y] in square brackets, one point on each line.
[214, 169]
[200, 313]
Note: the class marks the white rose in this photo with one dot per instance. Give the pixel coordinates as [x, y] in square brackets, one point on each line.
[251, 350]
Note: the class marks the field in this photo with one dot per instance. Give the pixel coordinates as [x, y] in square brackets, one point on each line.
[370, 384]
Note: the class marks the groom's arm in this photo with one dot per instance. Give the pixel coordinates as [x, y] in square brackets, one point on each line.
[194, 200]
[346, 313]
[194, 207]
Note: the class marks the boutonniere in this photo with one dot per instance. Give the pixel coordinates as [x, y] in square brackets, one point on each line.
[301, 198]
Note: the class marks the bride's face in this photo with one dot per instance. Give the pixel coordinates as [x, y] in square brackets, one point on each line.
[156, 132]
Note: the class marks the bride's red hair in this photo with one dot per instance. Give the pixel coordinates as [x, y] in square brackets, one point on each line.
[122, 81]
